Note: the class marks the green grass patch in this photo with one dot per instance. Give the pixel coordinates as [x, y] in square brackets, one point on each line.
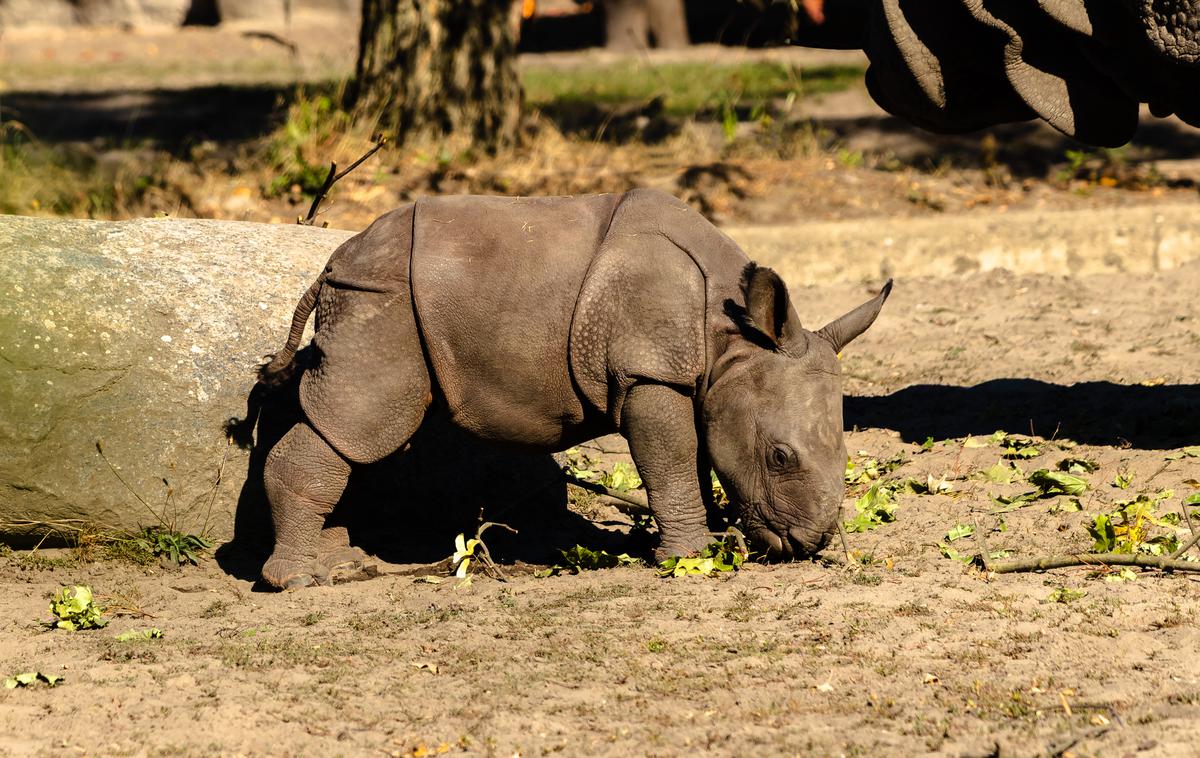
[66, 180]
[686, 88]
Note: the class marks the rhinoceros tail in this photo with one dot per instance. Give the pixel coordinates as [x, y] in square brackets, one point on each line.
[282, 366]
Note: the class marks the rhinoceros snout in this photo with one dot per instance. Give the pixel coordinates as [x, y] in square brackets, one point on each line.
[807, 542]
[797, 543]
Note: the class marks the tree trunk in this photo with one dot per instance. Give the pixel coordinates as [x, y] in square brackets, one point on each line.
[438, 69]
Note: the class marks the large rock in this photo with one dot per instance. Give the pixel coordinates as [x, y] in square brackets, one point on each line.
[143, 335]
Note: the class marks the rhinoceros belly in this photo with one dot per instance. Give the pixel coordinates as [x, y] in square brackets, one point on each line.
[495, 281]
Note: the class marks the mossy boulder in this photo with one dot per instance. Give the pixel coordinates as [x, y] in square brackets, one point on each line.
[142, 336]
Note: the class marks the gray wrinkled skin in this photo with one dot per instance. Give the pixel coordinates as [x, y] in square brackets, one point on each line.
[1081, 65]
[544, 322]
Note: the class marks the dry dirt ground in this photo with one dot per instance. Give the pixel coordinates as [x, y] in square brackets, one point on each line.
[906, 652]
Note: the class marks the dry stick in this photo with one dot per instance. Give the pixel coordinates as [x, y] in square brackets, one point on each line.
[1187, 545]
[1191, 530]
[216, 487]
[632, 503]
[121, 479]
[845, 544]
[1046, 563]
[333, 176]
[486, 555]
[982, 539]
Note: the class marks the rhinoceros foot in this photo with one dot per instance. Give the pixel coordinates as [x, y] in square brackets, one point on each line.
[335, 553]
[682, 546]
[290, 574]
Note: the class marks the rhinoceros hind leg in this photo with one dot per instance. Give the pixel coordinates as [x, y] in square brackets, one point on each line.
[335, 553]
[304, 479]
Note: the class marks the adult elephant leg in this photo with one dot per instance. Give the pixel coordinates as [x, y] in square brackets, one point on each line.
[660, 424]
[304, 479]
[668, 24]
[626, 25]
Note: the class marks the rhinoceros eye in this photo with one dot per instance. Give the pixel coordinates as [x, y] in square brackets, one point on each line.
[780, 458]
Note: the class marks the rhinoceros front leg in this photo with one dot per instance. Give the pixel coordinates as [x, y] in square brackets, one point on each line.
[660, 424]
[304, 479]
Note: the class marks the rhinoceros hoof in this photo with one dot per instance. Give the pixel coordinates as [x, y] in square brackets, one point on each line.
[346, 560]
[290, 574]
[681, 548]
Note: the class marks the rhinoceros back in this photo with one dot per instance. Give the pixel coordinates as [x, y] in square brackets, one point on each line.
[495, 282]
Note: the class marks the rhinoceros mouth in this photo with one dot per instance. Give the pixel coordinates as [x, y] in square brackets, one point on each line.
[793, 545]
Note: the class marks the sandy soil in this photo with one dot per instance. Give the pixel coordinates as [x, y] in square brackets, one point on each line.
[908, 653]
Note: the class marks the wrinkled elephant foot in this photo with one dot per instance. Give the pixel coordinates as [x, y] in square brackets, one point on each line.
[289, 574]
[682, 547]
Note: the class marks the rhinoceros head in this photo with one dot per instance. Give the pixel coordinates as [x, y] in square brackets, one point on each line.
[772, 417]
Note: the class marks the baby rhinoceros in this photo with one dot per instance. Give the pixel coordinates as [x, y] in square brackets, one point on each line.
[545, 322]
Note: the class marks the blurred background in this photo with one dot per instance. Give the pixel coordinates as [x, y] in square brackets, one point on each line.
[234, 109]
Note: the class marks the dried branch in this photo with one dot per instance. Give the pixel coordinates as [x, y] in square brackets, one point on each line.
[1045, 563]
[485, 556]
[639, 504]
[1192, 529]
[333, 176]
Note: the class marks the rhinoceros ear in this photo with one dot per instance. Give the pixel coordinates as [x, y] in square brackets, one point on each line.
[841, 332]
[769, 318]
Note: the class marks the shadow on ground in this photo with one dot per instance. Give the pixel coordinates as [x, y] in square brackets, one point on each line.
[167, 117]
[409, 507]
[1094, 413]
[172, 118]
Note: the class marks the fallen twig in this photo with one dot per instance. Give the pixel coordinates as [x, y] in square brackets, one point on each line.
[845, 544]
[639, 504]
[292, 47]
[485, 557]
[1192, 529]
[1045, 563]
[333, 176]
[981, 538]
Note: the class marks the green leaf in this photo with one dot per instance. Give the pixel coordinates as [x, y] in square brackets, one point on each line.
[30, 678]
[1066, 505]
[1078, 466]
[959, 531]
[1008, 503]
[869, 469]
[1187, 452]
[953, 554]
[1021, 453]
[875, 507]
[718, 556]
[622, 478]
[1057, 483]
[1126, 574]
[580, 558]
[1065, 595]
[927, 444]
[1002, 473]
[74, 608]
[1123, 480]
